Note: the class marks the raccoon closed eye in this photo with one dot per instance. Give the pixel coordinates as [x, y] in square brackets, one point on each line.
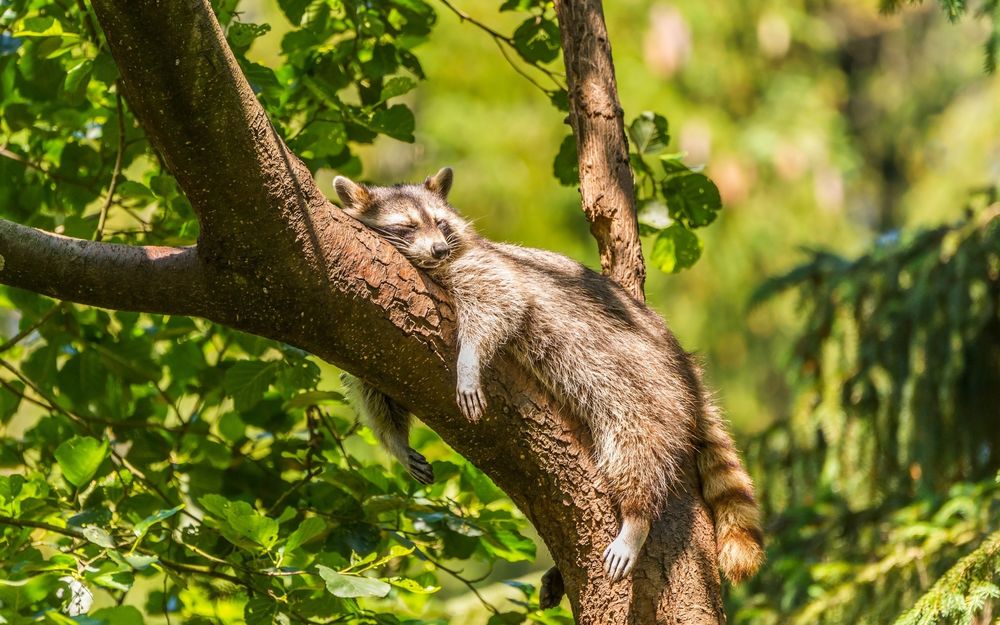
[401, 228]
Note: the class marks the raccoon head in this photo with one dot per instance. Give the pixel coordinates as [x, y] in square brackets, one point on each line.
[415, 218]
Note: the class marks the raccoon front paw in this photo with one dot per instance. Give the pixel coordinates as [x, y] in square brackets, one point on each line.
[471, 401]
[619, 558]
[418, 467]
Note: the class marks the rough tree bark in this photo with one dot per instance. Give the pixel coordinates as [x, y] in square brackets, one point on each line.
[276, 259]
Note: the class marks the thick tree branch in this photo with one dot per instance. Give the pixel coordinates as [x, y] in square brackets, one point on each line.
[146, 279]
[606, 184]
[185, 87]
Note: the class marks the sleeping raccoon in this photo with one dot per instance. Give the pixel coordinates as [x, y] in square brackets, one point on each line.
[606, 357]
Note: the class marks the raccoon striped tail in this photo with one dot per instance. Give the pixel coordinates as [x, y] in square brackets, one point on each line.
[728, 491]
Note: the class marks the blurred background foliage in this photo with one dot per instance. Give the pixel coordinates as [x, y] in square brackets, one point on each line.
[846, 302]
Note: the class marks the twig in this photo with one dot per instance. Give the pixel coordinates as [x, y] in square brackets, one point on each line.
[457, 575]
[88, 23]
[116, 173]
[83, 421]
[315, 442]
[20, 336]
[503, 40]
[14, 156]
[517, 69]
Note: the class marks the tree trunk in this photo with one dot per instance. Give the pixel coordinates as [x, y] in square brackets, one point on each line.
[276, 259]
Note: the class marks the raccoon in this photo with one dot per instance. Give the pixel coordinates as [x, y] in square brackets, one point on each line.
[605, 356]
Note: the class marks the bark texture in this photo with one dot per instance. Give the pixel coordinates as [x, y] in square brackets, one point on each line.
[606, 184]
[276, 259]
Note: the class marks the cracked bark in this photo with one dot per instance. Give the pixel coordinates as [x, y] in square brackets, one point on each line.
[274, 258]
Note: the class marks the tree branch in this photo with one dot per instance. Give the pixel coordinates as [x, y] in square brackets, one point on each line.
[144, 279]
[606, 184]
[185, 87]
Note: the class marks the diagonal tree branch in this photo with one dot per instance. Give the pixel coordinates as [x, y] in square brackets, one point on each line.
[145, 279]
[185, 87]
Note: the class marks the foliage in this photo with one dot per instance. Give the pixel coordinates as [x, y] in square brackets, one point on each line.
[963, 592]
[196, 483]
[673, 199]
[900, 351]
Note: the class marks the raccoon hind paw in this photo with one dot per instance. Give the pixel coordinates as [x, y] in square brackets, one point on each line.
[418, 467]
[552, 589]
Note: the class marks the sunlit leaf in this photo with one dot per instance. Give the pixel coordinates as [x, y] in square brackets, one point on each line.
[80, 457]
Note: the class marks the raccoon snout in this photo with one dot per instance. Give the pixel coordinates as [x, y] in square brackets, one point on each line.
[440, 251]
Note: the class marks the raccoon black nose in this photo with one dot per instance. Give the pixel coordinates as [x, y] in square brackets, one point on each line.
[440, 250]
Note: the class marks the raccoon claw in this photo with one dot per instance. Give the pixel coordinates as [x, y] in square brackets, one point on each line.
[418, 467]
[552, 589]
[472, 403]
[619, 558]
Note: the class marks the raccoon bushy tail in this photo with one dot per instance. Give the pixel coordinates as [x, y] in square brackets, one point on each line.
[728, 491]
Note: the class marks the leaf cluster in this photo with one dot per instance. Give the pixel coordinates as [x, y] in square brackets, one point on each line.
[882, 477]
[203, 474]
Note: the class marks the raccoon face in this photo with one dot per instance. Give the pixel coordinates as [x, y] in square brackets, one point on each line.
[415, 218]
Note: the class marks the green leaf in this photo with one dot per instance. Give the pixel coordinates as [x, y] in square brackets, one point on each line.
[509, 545]
[560, 100]
[506, 618]
[255, 526]
[648, 133]
[260, 610]
[99, 537]
[248, 380]
[9, 401]
[693, 198]
[396, 551]
[240, 523]
[350, 586]
[566, 167]
[143, 526]
[477, 482]
[396, 122]
[321, 139]
[41, 27]
[121, 615]
[412, 585]
[294, 9]
[397, 86]
[241, 35]
[231, 427]
[520, 5]
[309, 529]
[77, 77]
[310, 398]
[140, 562]
[80, 457]
[537, 40]
[654, 215]
[675, 248]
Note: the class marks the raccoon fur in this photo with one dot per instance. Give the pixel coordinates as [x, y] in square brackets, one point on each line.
[605, 356]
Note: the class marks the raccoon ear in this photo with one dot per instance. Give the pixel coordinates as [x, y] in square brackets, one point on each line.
[440, 182]
[353, 195]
